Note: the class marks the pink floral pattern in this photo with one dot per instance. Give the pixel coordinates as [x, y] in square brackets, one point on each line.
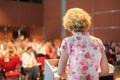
[85, 52]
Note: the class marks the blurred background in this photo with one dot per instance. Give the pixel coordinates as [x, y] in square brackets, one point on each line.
[38, 24]
[43, 18]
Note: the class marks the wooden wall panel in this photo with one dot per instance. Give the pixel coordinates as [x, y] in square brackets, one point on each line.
[108, 35]
[52, 19]
[109, 19]
[84, 4]
[103, 5]
[21, 15]
[48, 16]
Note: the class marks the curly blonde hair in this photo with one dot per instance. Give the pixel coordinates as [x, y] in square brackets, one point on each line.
[76, 20]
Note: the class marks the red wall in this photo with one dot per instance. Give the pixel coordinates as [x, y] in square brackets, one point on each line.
[46, 17]
[103, 22]
[20, 15]
[108, 23]
[52, 19]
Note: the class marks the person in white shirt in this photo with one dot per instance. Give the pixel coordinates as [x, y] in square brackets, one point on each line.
[30, 64]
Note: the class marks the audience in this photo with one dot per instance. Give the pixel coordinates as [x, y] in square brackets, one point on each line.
[41, 47]
[112, 50]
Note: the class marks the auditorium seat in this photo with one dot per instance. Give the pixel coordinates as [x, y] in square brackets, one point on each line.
[10, 69]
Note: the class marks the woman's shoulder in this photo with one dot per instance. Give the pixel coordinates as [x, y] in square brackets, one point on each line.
[94, 38]
[67, 39]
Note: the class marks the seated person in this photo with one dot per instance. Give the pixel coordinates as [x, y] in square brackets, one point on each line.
[30, 65]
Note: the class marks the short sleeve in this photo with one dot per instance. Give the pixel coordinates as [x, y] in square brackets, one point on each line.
[102, 48]
[63, 47]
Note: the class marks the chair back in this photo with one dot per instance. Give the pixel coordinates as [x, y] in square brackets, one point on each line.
[9, 65]
[1, 61]
[41, 60]
[16, 60]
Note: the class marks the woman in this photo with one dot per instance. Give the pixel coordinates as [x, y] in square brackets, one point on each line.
[82, 53]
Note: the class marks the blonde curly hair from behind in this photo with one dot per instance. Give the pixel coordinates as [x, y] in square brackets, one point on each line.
[76, 20]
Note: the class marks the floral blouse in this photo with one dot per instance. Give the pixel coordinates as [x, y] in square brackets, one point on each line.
[85, 52]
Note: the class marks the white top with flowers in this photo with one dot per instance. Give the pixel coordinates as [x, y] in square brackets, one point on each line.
[85, 52]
